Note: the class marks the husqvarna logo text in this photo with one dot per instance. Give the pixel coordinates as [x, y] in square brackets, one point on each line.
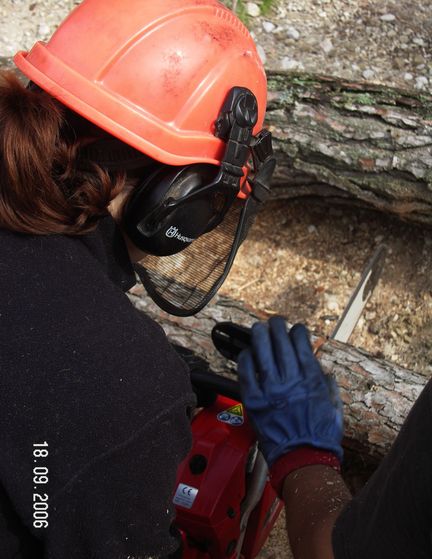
[173, 233]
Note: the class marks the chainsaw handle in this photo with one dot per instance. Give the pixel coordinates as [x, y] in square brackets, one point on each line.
[230, 339]
[207, 384]
[215, 384]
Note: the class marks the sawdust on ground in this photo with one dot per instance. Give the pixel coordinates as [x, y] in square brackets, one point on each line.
[303, 260]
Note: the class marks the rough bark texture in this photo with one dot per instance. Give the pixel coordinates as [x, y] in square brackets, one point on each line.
[377, 395]
[356, 142]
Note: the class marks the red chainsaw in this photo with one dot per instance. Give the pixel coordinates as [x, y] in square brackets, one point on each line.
[226, 506]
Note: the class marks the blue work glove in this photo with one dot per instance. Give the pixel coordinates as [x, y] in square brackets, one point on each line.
[289, 400]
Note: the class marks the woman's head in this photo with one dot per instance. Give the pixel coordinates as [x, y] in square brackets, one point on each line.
[152, 74]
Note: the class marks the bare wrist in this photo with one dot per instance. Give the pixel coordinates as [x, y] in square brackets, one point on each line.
[314, 497]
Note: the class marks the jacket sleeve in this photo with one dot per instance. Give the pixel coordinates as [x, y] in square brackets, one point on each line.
[391, 516]
[85, 372]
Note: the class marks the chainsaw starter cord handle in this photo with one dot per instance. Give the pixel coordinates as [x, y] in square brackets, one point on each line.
[290, 401]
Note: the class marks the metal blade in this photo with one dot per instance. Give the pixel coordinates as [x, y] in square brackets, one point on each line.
[360, 296]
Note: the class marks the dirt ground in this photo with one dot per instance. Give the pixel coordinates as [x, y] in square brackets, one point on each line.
[376, 40]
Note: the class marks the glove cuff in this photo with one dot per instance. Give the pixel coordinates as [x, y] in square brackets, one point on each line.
[299, 458]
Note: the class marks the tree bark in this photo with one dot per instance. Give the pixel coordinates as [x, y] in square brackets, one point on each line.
[377, 395]
[357, 143]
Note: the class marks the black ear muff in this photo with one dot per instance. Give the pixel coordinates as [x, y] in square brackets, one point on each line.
[155, 218]
[175, 205]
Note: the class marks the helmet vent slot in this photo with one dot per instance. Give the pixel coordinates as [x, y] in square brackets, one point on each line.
[230, 18]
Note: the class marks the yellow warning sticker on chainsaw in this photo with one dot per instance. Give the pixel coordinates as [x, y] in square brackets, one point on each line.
[236, 410]
[233, 415]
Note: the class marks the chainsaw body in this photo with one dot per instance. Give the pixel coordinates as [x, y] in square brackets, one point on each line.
[225, 504]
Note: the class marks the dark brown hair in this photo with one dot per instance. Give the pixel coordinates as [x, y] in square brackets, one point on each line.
[42, 189]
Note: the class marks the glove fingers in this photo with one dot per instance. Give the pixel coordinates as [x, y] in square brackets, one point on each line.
[299, 336]
[249, 387]
[263, 352]
[285, 356]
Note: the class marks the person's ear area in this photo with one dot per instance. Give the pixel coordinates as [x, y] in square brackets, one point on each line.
[117, 204]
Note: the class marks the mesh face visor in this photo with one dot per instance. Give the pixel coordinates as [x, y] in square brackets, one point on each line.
[183, 283]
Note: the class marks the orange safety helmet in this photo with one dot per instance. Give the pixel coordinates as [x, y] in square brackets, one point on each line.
[153, 74]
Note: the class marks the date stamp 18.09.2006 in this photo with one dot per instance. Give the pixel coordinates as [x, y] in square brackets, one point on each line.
[40, 480]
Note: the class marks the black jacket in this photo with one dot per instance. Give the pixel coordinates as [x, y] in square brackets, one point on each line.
[83, 371]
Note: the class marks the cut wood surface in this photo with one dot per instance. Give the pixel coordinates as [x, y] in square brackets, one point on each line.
[361, 143]
[377, 395]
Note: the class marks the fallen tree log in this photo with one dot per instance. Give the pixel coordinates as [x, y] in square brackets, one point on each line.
[357, 143]
[377, 395]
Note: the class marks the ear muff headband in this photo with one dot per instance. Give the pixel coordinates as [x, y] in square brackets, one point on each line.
[175, 205]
